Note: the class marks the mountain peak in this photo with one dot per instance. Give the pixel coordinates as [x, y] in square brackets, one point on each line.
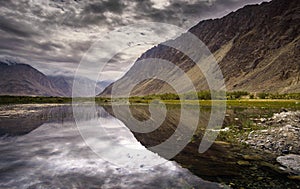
[10, 61]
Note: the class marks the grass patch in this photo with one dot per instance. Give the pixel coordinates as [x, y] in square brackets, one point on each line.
[236, 133]
[165, 98]
[244, 103]
[30, 99]
[51, 100]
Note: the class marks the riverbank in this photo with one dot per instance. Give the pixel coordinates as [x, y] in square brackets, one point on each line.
[246, 103]
[279, 135]
[276, 137]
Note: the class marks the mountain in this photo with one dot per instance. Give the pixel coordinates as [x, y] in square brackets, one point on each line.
[86, 86]
[23, 80]
[20, 79]
[257, 49]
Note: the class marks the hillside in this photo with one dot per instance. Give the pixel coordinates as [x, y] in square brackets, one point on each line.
[256, 47]
[24, 80]
[87, 86]
[19, 79]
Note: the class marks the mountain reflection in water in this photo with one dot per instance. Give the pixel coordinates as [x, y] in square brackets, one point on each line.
[41, 147]
[223, 161]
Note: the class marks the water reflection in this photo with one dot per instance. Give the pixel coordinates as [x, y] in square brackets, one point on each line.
[217, 161]
[222, 162]
[43, 149]
[22, 119]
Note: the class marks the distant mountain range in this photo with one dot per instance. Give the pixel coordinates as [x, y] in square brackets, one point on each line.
[256, 47]
[19, 79]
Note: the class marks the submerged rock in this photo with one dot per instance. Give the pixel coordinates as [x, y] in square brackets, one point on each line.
[280, 170]
[243, 163]
[252, 157]
[294, 177]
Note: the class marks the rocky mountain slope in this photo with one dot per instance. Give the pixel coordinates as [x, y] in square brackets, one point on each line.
[65, 84]
[23, 80]
[256, 47]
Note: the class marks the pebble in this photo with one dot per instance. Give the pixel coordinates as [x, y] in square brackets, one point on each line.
[260, 178]
[252, 157]
[282, 135]
[241, 162]
[294, 177]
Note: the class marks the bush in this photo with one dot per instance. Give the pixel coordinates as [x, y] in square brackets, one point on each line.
[236, 94]
[262, 95]
[190, 96]
[207, 95]
[169, 96]
[204, 95]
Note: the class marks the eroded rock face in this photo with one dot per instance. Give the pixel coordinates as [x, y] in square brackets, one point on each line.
[281, 135]
[24, 80]
[256, 47]
[291, 161]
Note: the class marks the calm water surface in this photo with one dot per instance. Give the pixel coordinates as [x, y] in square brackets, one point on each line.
[41, 147]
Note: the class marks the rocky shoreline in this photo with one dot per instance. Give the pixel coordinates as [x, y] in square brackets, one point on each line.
[279, 135]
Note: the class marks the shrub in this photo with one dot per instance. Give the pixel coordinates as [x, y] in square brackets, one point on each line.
[262, 95]
[204, 95]
[236, 94]
[190, 96]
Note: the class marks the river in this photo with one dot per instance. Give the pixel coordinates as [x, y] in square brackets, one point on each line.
[43, 146]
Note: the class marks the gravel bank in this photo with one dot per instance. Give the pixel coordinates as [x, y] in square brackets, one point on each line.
[280, 134]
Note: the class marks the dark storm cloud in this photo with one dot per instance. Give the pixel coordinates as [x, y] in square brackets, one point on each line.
[180, 11]
[16, 28]
[85, 20]
[93, 13]
[7, 3]
[115, 6]
[37, 51]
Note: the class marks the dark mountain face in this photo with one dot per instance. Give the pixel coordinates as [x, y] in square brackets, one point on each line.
[256, 47]
[264, 54]
[22, 79]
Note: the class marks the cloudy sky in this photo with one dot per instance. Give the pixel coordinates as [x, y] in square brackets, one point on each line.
[54, 35]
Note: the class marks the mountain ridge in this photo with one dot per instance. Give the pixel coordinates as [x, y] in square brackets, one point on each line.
[20, 79]
[256, 47]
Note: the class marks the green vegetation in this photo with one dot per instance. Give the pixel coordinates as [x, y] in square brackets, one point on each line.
[201, 95]
[236, 95]
[264, 103]
[166, 96]
[235, 98]
[30, 99]
[237, 133]
[295, 96]
[41, 99]
[218, 95]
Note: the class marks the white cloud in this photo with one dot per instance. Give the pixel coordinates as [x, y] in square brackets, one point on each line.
[160, 4]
